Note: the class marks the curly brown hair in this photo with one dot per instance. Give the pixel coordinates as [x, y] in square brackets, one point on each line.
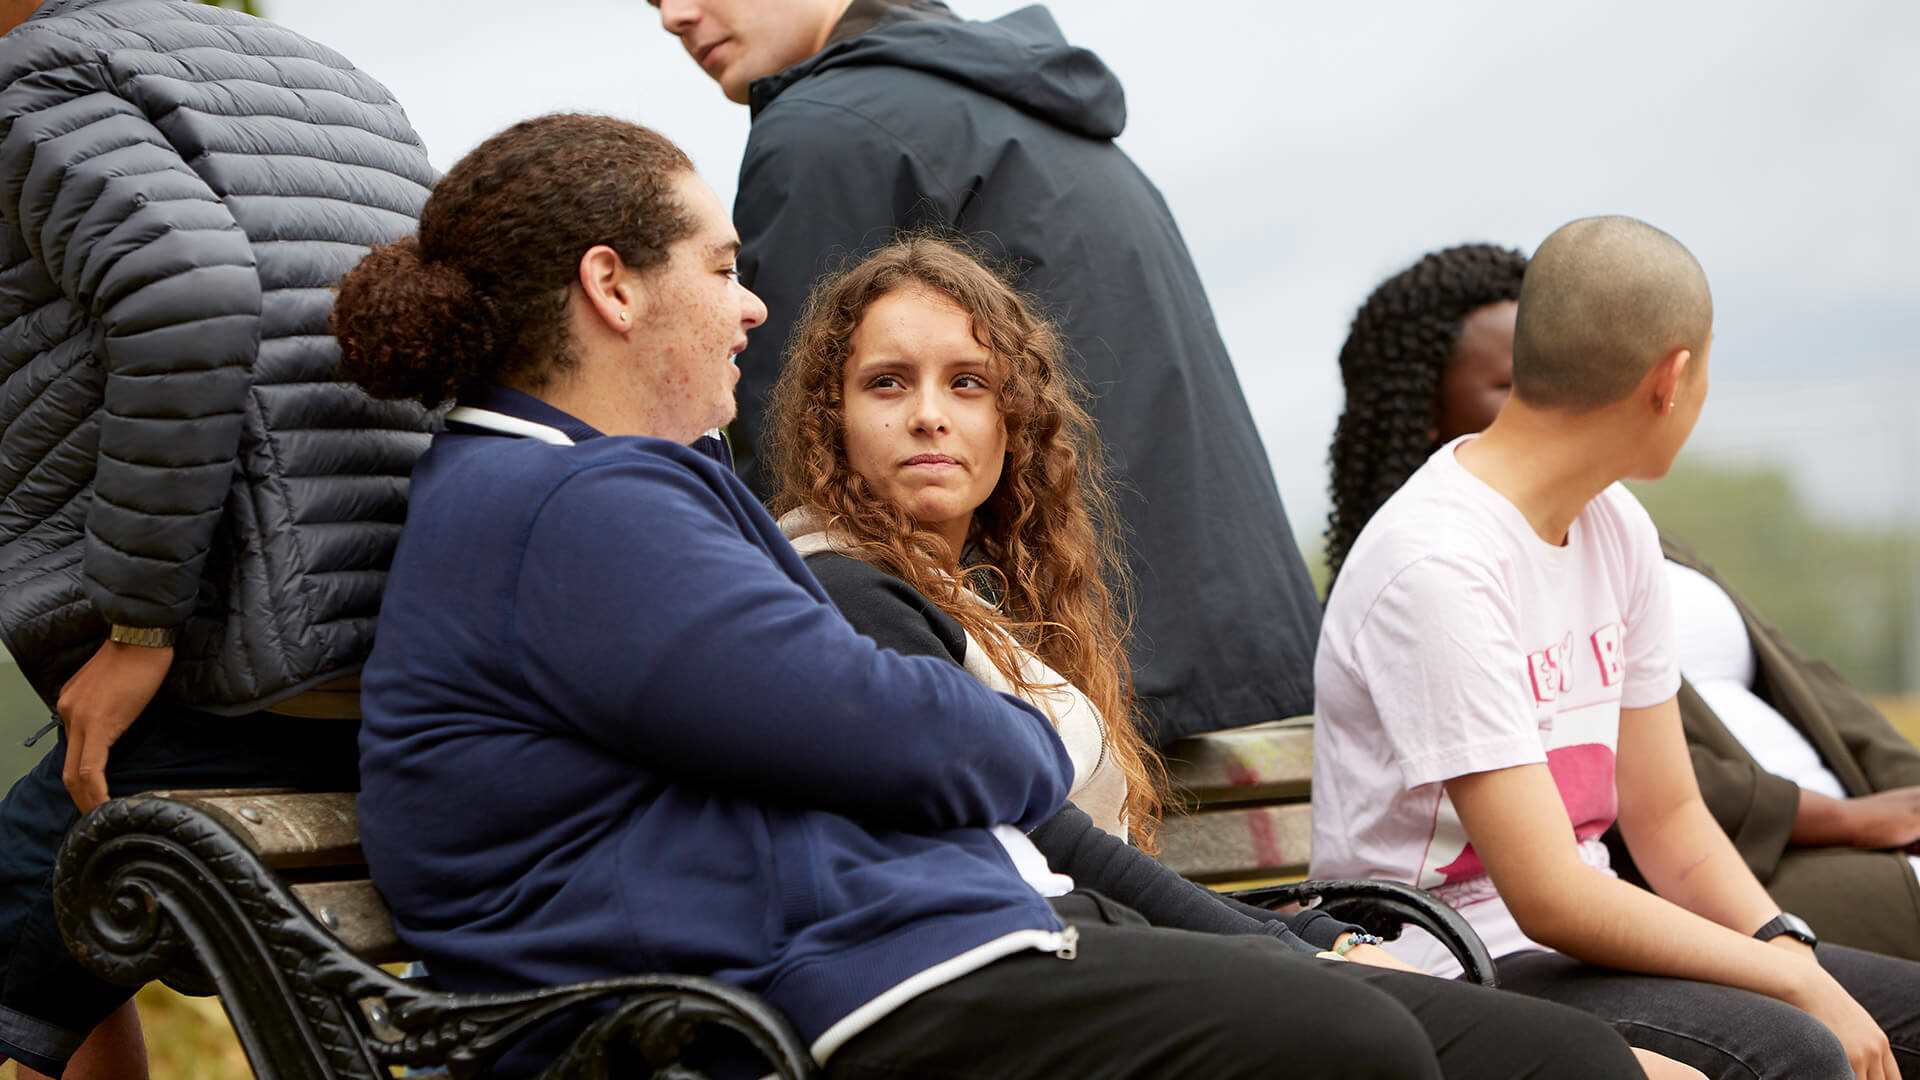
[479, 296]
[1045, 546]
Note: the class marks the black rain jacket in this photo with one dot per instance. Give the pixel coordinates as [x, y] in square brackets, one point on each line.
[1004, 132]
[181, 187]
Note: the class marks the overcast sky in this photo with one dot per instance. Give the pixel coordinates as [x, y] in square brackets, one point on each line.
[1309, 150]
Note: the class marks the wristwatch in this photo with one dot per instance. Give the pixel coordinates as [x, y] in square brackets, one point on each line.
[1354, 939]
[147, 637]
[1789, 925]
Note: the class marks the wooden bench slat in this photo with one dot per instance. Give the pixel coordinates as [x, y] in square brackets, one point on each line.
[354, 912]
[1263, 763]
[289, 831]
[1239, 844]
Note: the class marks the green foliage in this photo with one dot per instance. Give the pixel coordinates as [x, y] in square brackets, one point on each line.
[248, 6]
[21, 714]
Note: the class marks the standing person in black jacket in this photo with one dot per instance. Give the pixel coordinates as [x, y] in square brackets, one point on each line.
[877, 114]
[197, 517]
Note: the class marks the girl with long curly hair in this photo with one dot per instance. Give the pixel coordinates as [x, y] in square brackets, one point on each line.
[1422, 365]
[926, 425]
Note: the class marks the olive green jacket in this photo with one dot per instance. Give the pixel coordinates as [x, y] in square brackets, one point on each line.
[1868, 899]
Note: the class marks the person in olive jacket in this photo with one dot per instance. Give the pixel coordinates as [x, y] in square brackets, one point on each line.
[875, 115]
[195, 516]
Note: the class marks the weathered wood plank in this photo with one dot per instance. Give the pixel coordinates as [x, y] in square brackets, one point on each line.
[288, 830]
[1240, 843]
[355, 912]
[1262, 763]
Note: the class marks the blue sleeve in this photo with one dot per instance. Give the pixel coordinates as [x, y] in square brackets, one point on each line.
[652, 625]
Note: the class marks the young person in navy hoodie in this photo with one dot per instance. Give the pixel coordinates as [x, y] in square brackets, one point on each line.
[690, 761]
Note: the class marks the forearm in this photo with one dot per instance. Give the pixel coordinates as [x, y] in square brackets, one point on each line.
[1822, 821]
[1606, 922]
[1688, 860]
[1104, 863]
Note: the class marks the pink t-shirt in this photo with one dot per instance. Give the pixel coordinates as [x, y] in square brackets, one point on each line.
[1457, 641]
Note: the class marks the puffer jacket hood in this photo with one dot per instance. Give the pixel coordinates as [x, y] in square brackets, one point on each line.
[1021, 58]
[181, 187]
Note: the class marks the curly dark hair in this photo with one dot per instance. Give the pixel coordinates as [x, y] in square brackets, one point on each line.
[480, 295]
[1391, 364]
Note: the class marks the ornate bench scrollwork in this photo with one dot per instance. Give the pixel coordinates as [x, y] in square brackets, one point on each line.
[218, 891]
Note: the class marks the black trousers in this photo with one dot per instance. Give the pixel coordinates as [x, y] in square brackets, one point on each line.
[1139, 1001]
[1726, 1032]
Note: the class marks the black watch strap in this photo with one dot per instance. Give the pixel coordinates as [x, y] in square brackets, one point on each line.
[1786, 924]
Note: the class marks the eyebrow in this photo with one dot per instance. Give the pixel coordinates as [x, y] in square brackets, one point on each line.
[726, 247]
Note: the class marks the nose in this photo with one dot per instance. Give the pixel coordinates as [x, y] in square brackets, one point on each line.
[929, 412]
[753, 310]
[678, 16]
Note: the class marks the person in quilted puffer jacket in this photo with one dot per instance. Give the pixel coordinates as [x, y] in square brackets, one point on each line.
[195, 516]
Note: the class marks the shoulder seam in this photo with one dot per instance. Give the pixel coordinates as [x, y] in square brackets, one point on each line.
[898, 141]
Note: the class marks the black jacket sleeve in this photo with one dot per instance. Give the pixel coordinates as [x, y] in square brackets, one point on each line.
[155, 262]
[897, 617]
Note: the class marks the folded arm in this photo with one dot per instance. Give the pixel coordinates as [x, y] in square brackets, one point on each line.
[658, 630]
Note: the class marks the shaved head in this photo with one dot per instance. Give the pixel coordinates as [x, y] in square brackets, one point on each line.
[1604, 300]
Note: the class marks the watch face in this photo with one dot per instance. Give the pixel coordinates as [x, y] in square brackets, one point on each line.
[1798, 927]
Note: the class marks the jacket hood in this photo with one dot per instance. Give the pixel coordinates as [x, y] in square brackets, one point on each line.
[1021, 58]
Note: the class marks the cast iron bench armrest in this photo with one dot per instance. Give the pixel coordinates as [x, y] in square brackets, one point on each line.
[1383, 907]
[153, 888]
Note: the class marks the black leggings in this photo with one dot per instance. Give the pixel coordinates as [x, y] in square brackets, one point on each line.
[1138, 1001]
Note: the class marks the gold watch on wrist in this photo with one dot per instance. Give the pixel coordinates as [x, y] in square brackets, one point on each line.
[147, 637]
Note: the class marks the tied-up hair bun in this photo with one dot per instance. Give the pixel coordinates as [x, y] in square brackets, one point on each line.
[412, 327]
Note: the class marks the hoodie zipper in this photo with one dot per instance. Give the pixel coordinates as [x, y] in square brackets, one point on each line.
[1067, 943]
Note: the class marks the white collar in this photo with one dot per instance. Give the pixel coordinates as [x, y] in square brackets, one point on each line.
[488, 420]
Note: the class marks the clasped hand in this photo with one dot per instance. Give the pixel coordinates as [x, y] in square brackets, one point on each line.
[98, 705]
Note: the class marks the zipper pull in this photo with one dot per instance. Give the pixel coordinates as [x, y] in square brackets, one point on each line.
[38, 735]
[1069, 943]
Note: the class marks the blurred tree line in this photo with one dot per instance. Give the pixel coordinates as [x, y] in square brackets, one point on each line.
[1844, 593]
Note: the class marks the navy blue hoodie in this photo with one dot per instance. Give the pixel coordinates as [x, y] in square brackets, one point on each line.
[614, 726]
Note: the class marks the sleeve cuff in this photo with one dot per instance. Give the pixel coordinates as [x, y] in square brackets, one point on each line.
[1319, 929]
[1476, 758]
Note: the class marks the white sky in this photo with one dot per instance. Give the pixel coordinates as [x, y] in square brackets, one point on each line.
[1309, 150]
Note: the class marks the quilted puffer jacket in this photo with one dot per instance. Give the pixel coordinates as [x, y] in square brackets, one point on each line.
[181, 187]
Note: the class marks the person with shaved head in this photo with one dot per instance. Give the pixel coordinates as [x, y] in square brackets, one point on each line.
[1497, 683]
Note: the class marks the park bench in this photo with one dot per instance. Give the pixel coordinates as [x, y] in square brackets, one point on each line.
[263, 898]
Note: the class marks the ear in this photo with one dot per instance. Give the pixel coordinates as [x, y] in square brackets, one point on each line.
[1665, 381]
[610, 290]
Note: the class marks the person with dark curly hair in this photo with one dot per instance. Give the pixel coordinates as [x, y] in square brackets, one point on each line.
[1498, 684]
[1429, 359]
[1818, 790]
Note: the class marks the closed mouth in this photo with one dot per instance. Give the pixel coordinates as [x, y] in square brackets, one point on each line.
[929, 459]
[701, 54]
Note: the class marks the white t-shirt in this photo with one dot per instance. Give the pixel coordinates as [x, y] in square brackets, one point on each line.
[1457, 641]
[1716, 656]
